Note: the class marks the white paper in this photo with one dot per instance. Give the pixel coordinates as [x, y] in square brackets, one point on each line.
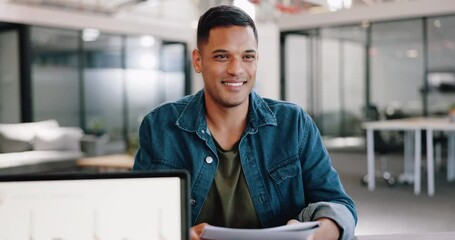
[297, 231]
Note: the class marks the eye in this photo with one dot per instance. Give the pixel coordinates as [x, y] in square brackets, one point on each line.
[249, 57]
[221, 57]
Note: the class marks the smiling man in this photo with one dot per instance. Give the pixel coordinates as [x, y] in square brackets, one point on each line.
[254, 162]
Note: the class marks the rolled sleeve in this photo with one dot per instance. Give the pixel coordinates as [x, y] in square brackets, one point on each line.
[337, 212]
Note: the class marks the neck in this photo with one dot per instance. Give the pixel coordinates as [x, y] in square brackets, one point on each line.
[226, 124]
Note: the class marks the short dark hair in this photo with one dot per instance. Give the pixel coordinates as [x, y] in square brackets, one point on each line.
[222, 16]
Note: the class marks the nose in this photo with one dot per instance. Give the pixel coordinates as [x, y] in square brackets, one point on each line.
[235, 66]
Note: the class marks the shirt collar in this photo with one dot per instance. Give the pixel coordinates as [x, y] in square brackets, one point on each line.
[192, 118]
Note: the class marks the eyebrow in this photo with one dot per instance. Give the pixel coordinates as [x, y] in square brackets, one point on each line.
[219, 51]
[225, 51]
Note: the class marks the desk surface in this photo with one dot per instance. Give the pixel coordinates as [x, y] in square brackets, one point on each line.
[416, 236]
[119, 161]
[441, 123]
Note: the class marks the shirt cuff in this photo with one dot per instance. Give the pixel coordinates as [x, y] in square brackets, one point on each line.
[335, 211]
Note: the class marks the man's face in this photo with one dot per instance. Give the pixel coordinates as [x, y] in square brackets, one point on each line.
[228, 64]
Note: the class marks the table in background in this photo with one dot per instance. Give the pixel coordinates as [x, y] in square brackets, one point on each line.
[118, 162]
[412, 236]
[412, 128]
[444, 125]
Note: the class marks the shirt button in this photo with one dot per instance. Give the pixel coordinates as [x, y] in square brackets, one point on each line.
[193, 201]
[208, 160]
[202, 131]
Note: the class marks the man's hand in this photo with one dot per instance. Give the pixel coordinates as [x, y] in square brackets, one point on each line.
[195, 231]
[327, 230]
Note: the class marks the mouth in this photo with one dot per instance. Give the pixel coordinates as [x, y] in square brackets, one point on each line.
[234, 84]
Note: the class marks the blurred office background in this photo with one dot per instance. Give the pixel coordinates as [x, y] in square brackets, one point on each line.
[102, 65]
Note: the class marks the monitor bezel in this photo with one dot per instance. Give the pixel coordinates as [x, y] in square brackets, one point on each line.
[181, 174]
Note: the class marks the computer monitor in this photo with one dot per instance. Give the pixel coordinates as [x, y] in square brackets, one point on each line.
[111, 206]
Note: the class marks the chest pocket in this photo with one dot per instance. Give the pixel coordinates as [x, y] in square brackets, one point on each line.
[286, 169]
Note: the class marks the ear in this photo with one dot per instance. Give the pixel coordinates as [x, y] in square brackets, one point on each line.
[197, 61]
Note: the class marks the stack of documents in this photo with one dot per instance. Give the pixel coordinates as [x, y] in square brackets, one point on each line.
[297, 231]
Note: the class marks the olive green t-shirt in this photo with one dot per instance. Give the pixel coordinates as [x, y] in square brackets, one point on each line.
[229, 203]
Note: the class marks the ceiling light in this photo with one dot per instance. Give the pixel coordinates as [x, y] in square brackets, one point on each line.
[335, 5]
[437, 23]
[147, 41]
[412, 53]
[90, 34]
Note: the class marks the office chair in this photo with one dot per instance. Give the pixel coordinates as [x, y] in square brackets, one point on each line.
[383, 145]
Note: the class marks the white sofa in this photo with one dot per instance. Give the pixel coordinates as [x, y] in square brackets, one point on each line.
[38, 147]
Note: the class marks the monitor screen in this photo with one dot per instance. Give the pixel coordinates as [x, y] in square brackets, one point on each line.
[113, 206]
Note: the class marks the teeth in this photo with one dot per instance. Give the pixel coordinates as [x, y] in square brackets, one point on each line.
[234, 84]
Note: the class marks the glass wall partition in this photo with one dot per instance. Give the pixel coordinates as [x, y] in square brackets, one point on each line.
[55, 75]
[325, 74]
[103, 85]
[342, 80]
[403, 68]
[144, 81]
[344, 77]
[441, 64]
[397, 67]
[297, 70]
[173, 67]
[10, 111]
[155, 73]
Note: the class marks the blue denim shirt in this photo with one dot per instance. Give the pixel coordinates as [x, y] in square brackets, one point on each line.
[286, 166]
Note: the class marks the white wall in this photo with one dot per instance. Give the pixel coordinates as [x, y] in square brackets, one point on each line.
[268, 73]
